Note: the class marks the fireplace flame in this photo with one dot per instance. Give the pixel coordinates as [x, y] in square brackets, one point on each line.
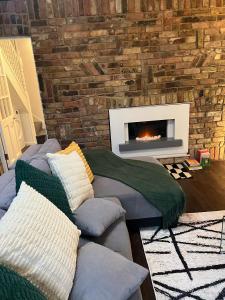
[146, 136]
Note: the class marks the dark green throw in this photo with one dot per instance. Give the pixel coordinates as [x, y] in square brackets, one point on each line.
[47, 185]
[15, 287]
[151, 180]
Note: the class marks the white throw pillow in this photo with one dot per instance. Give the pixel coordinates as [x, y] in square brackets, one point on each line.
[40, 243]
[71, 171]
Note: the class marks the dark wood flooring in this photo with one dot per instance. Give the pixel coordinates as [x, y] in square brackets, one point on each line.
[205, 191]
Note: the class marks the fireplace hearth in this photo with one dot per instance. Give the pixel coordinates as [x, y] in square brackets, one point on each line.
[135, 145]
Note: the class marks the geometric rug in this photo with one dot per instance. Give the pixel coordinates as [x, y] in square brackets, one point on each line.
[185, 262]
[177, 171]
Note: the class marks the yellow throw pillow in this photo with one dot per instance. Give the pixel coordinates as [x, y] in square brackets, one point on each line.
[75, 147]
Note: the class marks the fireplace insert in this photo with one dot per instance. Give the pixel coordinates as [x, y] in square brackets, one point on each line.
[147, 131]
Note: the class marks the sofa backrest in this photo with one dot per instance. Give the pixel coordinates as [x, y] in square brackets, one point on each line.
[34, 155]
[8, 189]
[27, 154]
[39, 160]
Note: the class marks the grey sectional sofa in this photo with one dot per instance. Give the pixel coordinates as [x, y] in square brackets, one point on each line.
[137, 208]
[116, 236]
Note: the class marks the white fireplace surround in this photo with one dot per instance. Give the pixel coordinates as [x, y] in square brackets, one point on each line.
[177, 128]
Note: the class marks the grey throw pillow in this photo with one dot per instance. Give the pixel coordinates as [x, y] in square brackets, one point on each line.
[95, 215]
[102, 274]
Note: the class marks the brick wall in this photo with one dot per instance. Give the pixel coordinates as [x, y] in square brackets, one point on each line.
[92, 55]
[14, 19]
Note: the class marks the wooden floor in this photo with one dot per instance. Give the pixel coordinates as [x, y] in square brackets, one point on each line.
[205, 192]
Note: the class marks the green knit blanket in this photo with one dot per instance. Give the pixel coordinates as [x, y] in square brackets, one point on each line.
[15, 287]
[151, 180]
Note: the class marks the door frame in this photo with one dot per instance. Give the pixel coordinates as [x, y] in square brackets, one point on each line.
[7, 122]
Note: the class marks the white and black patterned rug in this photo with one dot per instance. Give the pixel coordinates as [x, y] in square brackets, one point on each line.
[185, 262]
[178, 171]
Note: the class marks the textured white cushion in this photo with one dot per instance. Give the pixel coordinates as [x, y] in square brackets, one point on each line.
[39, 242]
[71, 171]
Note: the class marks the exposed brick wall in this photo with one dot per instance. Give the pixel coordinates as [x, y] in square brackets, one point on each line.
[93, 55]
[14, 18]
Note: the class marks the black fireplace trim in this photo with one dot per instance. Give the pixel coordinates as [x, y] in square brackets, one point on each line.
[155, 144]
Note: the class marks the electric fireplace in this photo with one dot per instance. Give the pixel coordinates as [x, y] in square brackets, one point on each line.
[150, 134]
[147, 131]
[155, 130]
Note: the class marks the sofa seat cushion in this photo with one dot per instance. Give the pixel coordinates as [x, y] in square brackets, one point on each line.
[132, 201]
[117, 239]
[95, 215]
[116, 236]
[108, 276]
[136, 296]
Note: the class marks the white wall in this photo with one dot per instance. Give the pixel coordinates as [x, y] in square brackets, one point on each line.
[26, 138]
[26, 127]
[16, 101]
[26, 52]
